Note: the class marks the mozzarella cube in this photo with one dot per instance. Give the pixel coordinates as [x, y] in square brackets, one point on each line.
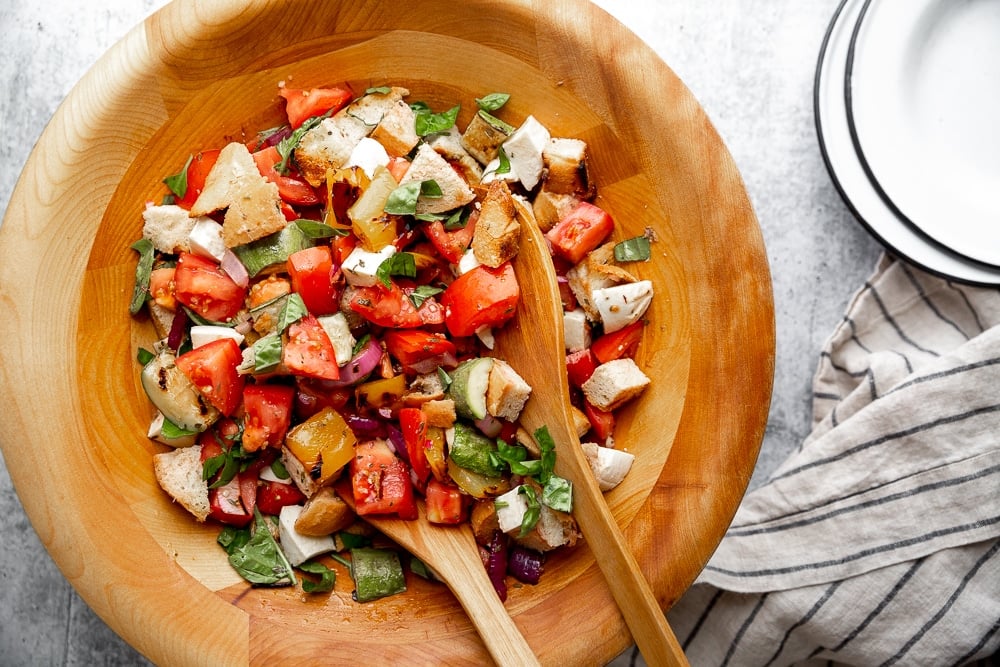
[205, 239]
[361, 265]
[369, 155]
[297, 547]
[339, 332]
[524, 150]
[467, 262]
[621, 305]
[609, 465]
[511, 508]
[576, 330]
[203, 334]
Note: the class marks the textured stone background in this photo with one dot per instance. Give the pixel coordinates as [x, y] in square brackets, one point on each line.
[749, 62]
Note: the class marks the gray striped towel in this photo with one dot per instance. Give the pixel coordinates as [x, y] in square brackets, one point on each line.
[876, 542]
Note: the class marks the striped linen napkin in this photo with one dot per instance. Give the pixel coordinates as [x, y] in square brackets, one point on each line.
[876, 542]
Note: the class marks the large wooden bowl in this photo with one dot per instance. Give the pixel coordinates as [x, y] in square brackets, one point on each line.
[197, 74]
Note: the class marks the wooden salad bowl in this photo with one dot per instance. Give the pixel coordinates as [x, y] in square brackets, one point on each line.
[198, 74]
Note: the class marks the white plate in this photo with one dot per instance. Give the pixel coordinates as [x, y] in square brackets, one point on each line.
[849, 176]
[924, 105]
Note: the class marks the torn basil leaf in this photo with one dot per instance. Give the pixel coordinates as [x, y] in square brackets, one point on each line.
[400, 264]
[635, 249]
[144, 356]
[381, 90]
[422, 293]
[428, 122]
[261, 561]
[142, 272]
[493, 101]
[288, 145]
[267, 353]
[328, 577]
[558, 494]
[172, 431]
[293, 310]
[315, 230]
[403, 200]
[534, 511]
[178, 183]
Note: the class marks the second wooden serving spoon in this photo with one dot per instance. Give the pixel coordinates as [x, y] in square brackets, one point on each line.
[533, 344]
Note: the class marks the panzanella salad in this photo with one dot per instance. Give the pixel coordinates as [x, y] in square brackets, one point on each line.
[325, 296]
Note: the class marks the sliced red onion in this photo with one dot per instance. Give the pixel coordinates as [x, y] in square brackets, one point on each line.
[489, 426]
[397, 442]
[234, 268]
[446, 360]
[366, 428]
[496, 564]
[358, 368]
[525, 564]
[178, 327]
[277, 137]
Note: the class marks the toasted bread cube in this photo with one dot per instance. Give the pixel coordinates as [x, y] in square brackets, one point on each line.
[449, 146]
[568, 173]
[179, 474]
[550, 207]
[397, 130]
[614, 383]
[484, 135]
[507, 392]
[498, 233]
[323, 514]
[428, 165]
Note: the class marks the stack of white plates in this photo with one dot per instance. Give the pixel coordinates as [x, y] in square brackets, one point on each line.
[907, 106]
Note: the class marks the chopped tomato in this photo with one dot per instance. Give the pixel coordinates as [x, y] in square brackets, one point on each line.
[201, 285]
[398, 166]
[618, 344]
[580, 366]
[420, 351]
[311, 271]
[391, 307]
[452, 244]
[342, 246]
[268, 409]
[212, 369]
[301, 105]
[272, 496]
[413, 424]
[309, 352]
[445, 503]
[161, 287]
[381, 482]
[601, 421]
[197, 173]
[293, 190]
[482, 297]
[580, 231]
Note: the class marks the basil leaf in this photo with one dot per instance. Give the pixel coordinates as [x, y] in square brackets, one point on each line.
[293, 310]
[635, 249]
[288, 145]
[261, 560]
[267, 353]
[422, 293]
[459, 219]
[427, 122]
[315, 230]
[534, 512]
[142, 272]
[400, 264]
[144, 356]
[493, 101]
[444, 377]
[504, 166]
[172, 431]
[327, 579]
[382, 90]
[212, 465]
[178, 183]
[558, 494]
[232, 538]
[279, 469]
[403, 200]
[497, 124]
[548, 457]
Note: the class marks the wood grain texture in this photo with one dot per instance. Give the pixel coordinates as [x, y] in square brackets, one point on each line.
[198, 74]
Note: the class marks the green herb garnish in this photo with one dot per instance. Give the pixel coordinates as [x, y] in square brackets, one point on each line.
[428, 122]
[260, 560]
[143, 270]
[422, 293]
[402, 264]
[635, 249]
[492, 102]
[178, 183]
[293, 310]
[327, 577]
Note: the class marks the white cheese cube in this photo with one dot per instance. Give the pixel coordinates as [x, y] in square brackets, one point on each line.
[467, 262]
[361, 265]
[297, 547]
[511, 508]
[609, 465]
[524, 150]
[203, 334]
[576, 330]
[621, 305]
[339, 332]
[368, 154]
[206, 239]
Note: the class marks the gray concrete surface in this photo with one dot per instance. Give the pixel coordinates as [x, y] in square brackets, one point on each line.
[749, 62]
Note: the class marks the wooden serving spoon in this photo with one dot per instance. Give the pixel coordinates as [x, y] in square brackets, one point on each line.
[533, 344]
[451, 552]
